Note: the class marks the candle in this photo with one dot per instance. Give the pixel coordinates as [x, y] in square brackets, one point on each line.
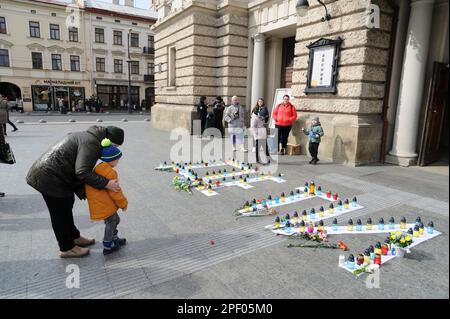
[335, 224]
[328, 194]
[360, 259]
[367, 257]
[391, 223]
[369, 224]
[320, 227]
[331, 209]
[350, 225]
[295, 218]
[354, 202]
[384, 250]
[319, 191]
[418, 220]
[381, 224]
[430, 228]
[287, 217]
[421, 228]
[403, 223]
[312, 188]
[297, 194]
[312, 213]
[377, 259]
[377, 249]
[339, 205]
[359, 225]
[351, 262]
[321, 212]
[277, 223]
[304, 215]
[302, 226]
[291, 196]
[335, 196]
[346, 204]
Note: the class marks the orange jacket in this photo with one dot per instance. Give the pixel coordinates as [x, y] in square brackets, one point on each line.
[285, 115]
[102, 202]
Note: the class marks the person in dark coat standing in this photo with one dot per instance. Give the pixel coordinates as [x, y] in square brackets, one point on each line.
[202, 111]
[218, 108]
[62, 171]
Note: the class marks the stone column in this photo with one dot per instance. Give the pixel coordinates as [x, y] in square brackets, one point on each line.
[412, 84]
[259, 49]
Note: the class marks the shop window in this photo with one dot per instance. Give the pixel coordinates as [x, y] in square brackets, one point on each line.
[42, 98]
[36, 58]
[4, 57]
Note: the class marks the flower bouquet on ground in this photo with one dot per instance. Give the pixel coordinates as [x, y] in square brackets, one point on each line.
[181, 183]
[320, 238]
[401, 241]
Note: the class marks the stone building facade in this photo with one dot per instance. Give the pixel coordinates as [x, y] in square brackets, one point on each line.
[251, 48]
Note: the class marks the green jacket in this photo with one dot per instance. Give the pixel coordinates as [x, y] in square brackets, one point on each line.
[64, 168]
[315, 133]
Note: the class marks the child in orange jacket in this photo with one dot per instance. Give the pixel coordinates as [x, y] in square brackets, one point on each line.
[104, 204]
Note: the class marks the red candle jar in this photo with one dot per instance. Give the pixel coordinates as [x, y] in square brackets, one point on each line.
[328, 194]
[217, 184]
[335, 196]
[384, 250]
[360, 259]
[177, 170]
[377, 260]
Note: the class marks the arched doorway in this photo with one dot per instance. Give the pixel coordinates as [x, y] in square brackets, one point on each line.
[150, 96]
[13, 94]
[10, 90]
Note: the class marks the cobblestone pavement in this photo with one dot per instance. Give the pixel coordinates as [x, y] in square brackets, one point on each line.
[169, 252]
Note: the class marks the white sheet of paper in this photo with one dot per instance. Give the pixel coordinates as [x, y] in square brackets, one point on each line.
[326, 216]
[416, 241]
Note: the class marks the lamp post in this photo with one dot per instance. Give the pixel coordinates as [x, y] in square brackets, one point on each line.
[303, 5]
[130, 109]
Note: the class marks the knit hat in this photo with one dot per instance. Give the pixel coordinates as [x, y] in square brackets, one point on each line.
[115, 134]
[109, 152]
[315, 118]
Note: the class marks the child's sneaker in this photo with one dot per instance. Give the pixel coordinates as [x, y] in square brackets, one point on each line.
[109, 247]
[120, 241]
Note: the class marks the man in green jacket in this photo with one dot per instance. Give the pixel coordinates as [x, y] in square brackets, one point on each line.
[62, 172]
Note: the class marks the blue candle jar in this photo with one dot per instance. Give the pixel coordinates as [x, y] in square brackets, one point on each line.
[430, 227]
[391, 223]
[358, 225]
[334, 226]
[354, 202]
[381, 224]
[351, 262]
[291, 195]
[319, 191]
[277, 200]
[339, 205]
[312, 213]
[297, 194]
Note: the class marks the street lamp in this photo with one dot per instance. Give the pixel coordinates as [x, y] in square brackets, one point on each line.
[303, 5]
[130, 109]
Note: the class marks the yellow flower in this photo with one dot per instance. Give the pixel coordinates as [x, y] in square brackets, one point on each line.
[408, 238]
[392, 236]
[402, 240]
[398, 233]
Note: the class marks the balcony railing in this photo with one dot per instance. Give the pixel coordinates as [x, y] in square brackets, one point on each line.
[148, 50]
[149, 78]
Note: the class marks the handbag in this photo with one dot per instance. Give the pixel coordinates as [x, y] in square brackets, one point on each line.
[6, 154]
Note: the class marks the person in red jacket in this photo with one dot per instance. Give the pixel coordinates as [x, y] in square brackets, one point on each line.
[284, 115]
